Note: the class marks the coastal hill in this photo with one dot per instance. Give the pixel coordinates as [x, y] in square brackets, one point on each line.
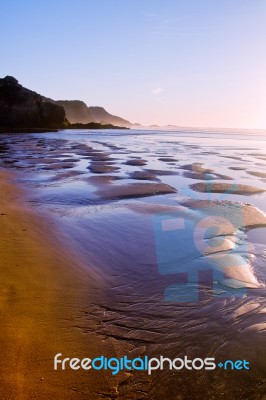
[78, 112]
[21, 108]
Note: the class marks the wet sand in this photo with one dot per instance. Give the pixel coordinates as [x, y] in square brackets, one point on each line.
[122, 300]
[134, 190]
[225, 187]
[44, 297]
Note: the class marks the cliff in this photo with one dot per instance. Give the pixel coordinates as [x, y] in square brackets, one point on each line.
[78, 112]
[21, 108]
[99, 114]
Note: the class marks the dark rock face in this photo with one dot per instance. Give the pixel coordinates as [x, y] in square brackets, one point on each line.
[95, 125]
[78, 112]
[23, 108]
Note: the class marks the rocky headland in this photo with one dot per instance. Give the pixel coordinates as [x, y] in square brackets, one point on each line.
[23, 110]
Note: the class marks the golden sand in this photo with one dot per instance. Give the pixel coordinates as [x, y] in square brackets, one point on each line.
[45, 301]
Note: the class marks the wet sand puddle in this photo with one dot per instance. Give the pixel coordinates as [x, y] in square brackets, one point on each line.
[174, 226]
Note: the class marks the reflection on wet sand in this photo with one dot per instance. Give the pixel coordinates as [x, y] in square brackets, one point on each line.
[183, 274]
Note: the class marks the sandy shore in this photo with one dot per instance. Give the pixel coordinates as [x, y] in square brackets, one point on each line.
[82, 271]
[44, 297]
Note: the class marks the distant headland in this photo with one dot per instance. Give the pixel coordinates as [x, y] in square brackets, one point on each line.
[23, 110]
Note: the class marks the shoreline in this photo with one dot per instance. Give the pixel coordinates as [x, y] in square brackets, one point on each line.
[76, 127]
[85, 277]
[27, 130]
[45, 300]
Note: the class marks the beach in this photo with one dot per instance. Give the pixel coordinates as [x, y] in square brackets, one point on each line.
[88, 266]
[44, 295]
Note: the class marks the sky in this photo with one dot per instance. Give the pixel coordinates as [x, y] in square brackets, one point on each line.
[195, 63]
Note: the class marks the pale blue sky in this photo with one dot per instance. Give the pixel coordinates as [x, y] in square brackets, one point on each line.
[184, 62]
